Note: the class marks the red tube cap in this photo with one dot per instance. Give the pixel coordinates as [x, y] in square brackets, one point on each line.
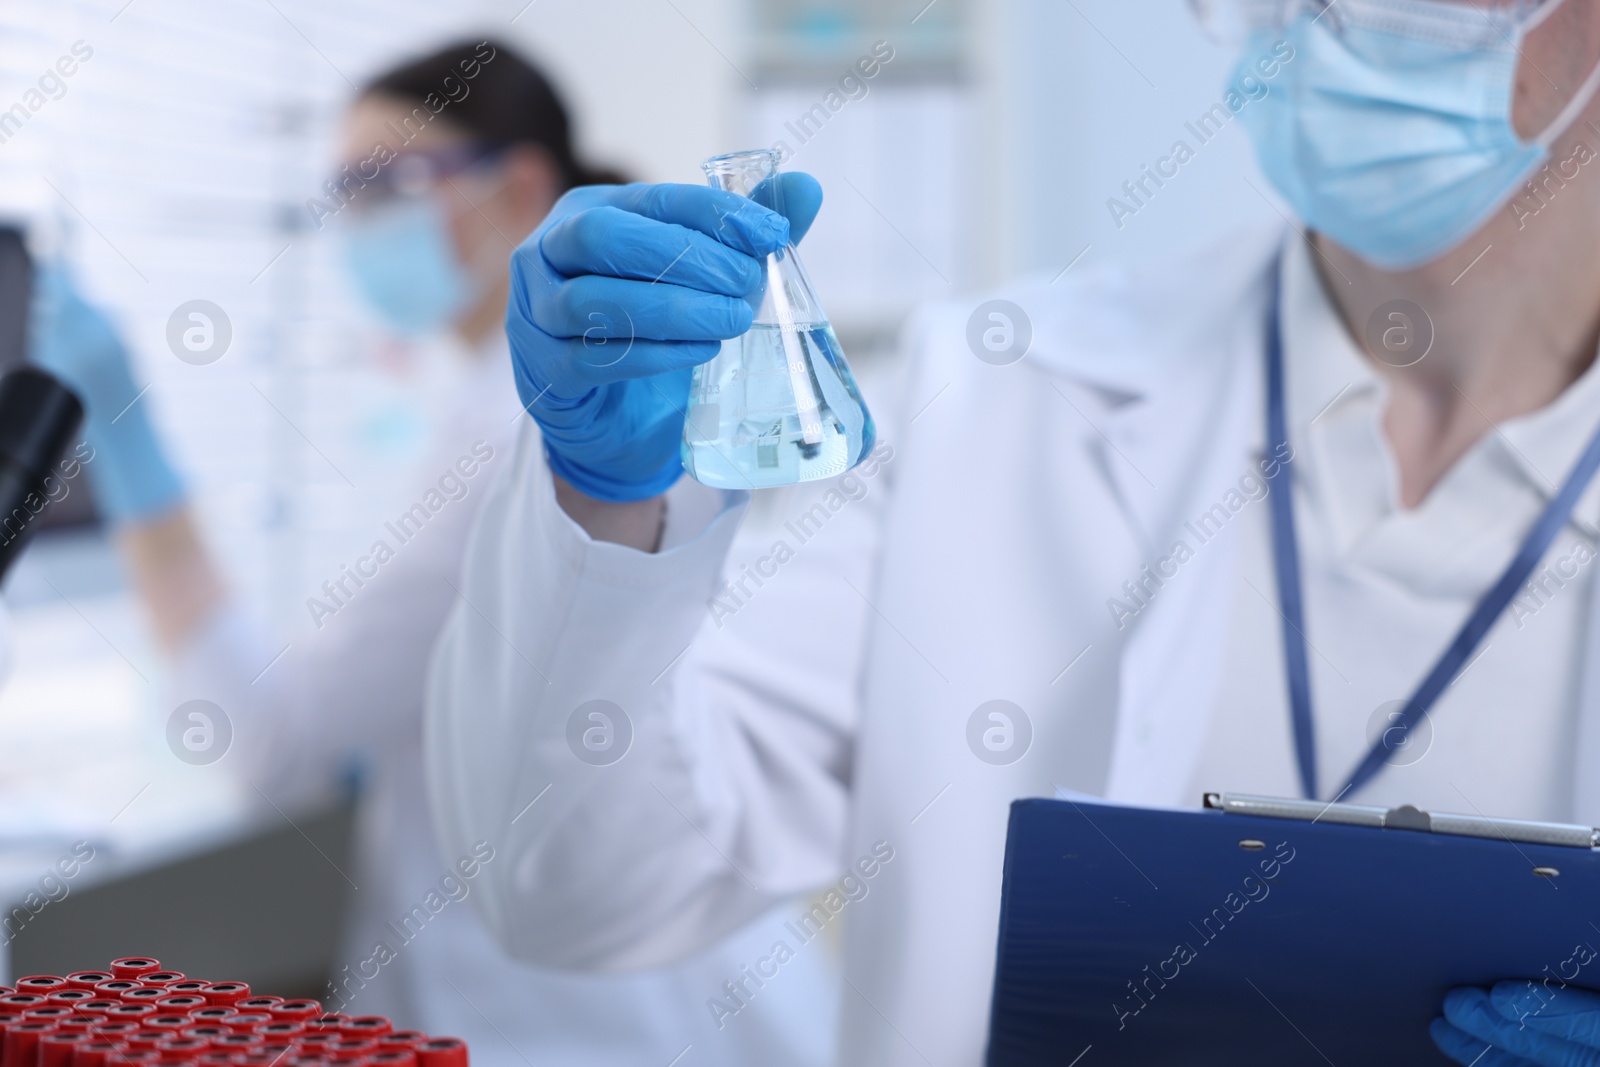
[40, 983]
[55, 1050]
[226, 993]
[442, 1052]
[161, 977]
[143, 1039]
[92, 1053]
[117, 986]
[80, 1022]
[393, 1057]
[71, 996]
[214, 1058]
[258, 1003]
[285, 1032]
[128, 1011]
[87, 979]
[298, 1010]
[131, 1056]
[326, 1021]
[48, 1013]
[134, 966]
[208, 1033]
[247, 1022]
[145, 994]
[21, 1001]
[373, 1026]
[22, 1041]
[238, 1042]
[401, 1039]
[349, 1049]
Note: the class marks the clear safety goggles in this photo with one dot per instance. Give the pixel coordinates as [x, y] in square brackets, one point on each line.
[1458, 21]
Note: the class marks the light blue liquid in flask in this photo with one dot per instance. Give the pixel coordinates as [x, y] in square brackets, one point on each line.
[778, 404]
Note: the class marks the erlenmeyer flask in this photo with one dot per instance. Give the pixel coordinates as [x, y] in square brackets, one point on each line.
[778, 404]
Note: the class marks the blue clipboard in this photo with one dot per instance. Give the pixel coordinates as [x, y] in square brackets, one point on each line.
[1247, 933]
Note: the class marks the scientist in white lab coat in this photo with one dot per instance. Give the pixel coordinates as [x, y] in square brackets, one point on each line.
[1096, 530]
[445, 156]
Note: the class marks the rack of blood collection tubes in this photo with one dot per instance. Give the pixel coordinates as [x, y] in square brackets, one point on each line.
[135, 1013]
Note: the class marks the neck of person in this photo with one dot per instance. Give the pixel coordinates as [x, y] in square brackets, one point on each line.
[482, 320]
[1515, 311]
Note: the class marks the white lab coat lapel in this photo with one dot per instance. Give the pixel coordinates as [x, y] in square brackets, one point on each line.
[1586, 752]
[1192, 431]
[1173, 658]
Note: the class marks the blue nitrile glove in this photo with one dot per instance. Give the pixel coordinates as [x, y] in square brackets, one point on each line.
[74, 340]
[1522, 1023]
[615, 298]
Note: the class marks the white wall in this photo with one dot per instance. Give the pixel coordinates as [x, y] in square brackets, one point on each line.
[1075, 96]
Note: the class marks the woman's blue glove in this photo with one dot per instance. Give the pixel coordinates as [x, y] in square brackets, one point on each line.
[615, 298]
[75, 341]
[1520, 1023]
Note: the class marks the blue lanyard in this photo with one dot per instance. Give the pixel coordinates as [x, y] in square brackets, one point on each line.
[1286, 564]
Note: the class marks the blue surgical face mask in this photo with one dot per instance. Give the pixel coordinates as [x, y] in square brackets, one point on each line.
[403, 262]
[1389, 129]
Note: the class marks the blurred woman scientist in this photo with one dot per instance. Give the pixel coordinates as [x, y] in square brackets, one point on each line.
[427, 244]
[1081, 565]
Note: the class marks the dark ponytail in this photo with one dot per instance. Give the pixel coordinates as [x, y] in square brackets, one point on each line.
[496, 96]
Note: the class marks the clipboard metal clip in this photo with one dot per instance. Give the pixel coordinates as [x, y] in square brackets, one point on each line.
[1406, 817]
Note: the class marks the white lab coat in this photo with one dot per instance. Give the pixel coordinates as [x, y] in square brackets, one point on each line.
[353, 688]
[830, 711]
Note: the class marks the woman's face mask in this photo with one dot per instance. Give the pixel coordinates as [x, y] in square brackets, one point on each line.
[403, 262]
[1389, 129]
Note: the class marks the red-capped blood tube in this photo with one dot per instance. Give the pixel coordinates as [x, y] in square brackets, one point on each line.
[298, 1010]
[401, 1039]
[87, 979]
[212, 1016]
[145, 994]
[224, 994]
[142, 1040]
[80, 1023]
[20, 1002]
[126, 1012]
[133, 966]
[71, 997]
[186, 1048]
[373, 1026]
[22, 1042]
[93, 1053]
[48, 1013]
[127, 1057]
[442, 1052]
[40, 983]
[329, 1020]
[393, 1057]
[117, 1030]
[258, 1003]
[286, 1033]
[117, 986]
[247, 1022]
[349, 1050]
[162, 978]
[55, 1050]
[238, 1042]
